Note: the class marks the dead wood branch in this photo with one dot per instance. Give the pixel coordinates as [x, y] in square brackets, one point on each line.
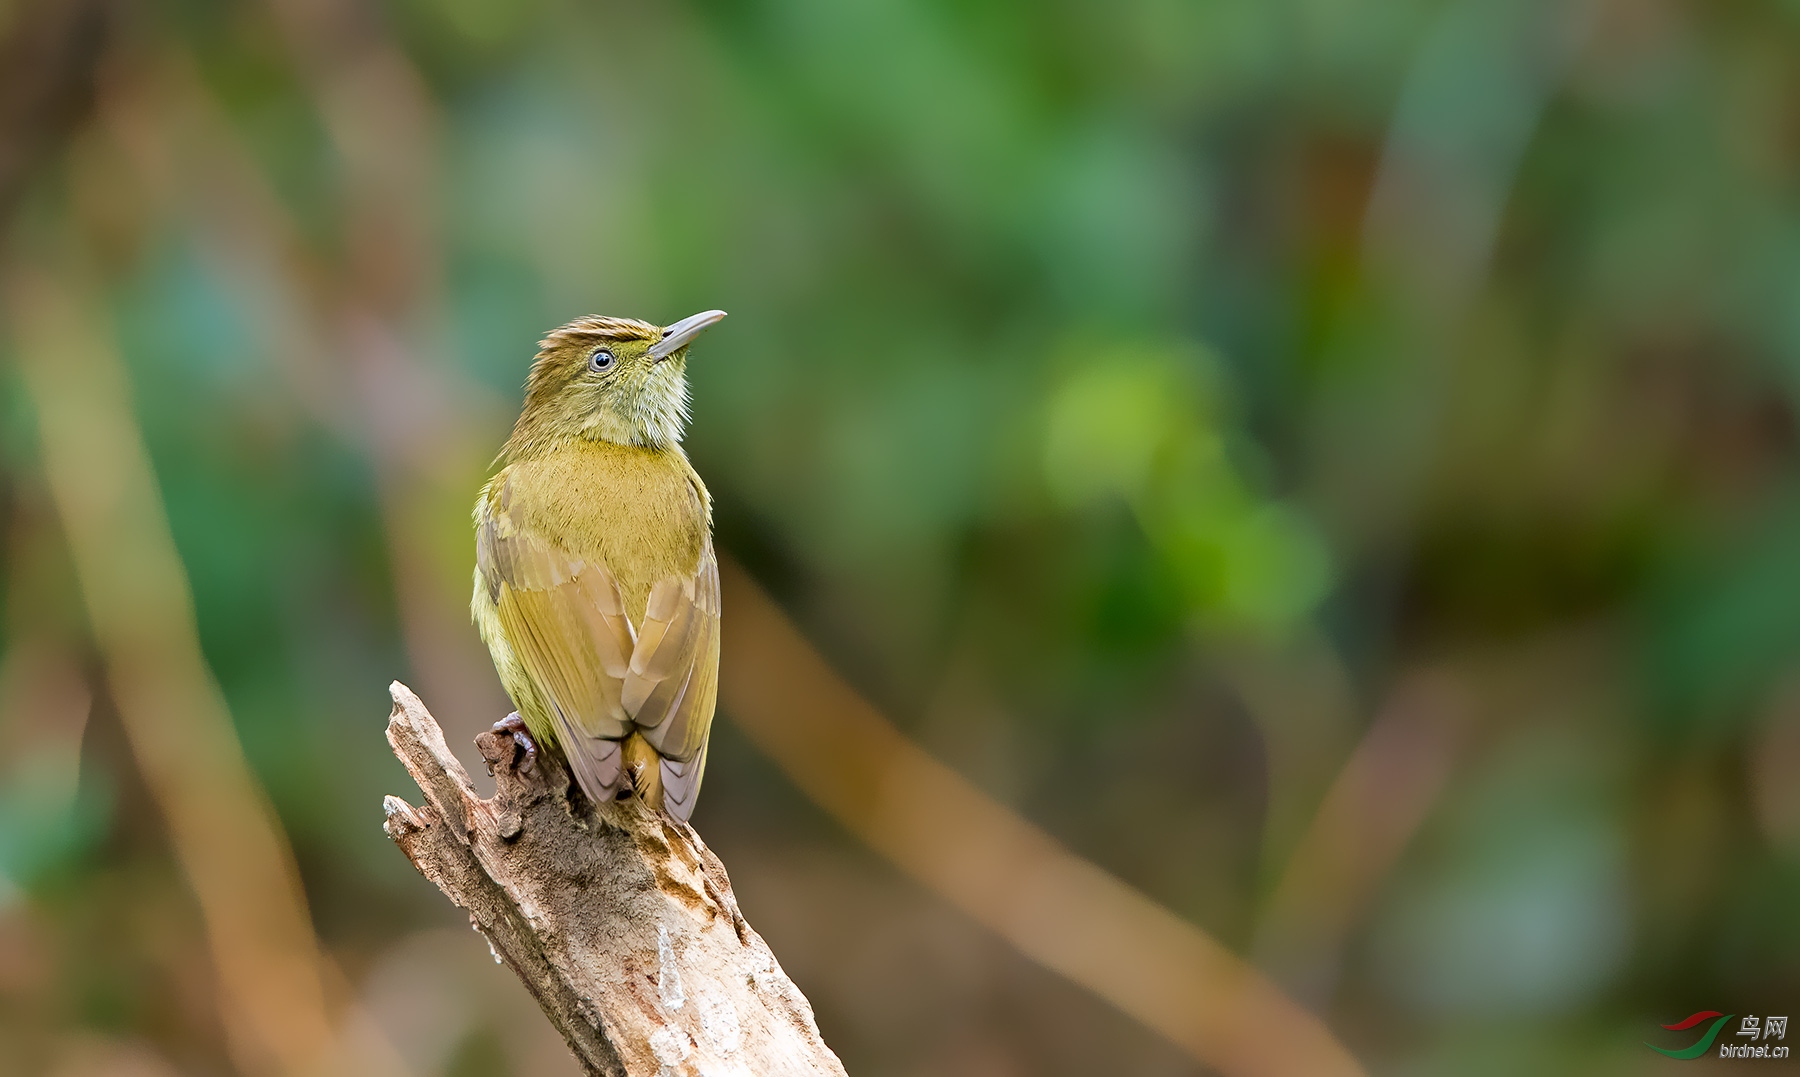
[619, 921]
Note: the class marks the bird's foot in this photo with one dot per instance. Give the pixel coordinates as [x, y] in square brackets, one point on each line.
[523, 745]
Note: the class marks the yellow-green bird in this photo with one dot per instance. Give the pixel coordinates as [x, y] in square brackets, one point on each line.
[596, 588]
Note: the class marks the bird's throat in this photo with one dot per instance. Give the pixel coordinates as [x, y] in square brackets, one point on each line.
[609, 426]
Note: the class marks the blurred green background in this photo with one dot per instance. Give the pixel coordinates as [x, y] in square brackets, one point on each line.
[1145, 404]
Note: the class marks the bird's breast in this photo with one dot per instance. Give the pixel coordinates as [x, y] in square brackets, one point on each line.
[640, 511]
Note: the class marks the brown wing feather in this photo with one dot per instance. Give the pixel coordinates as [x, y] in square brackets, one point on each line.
[672, 687]
[564, 618]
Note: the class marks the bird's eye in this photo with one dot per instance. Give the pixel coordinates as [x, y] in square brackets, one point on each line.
[600, 360]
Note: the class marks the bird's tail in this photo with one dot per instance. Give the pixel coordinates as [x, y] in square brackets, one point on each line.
[643, 765]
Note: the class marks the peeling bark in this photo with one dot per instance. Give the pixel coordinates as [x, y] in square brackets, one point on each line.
[619, 920]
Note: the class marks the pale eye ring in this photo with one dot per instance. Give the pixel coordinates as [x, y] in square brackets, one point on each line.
[600, 360]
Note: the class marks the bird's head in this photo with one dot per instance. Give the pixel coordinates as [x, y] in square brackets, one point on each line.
[608, 379]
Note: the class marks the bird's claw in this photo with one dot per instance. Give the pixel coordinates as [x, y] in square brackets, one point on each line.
[522, 742]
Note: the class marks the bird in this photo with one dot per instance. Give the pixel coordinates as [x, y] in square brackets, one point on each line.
[596, 584]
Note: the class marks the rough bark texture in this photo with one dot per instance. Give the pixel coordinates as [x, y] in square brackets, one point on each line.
[620, 921]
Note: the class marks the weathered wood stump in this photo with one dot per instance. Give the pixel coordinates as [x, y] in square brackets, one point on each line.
[619, 920]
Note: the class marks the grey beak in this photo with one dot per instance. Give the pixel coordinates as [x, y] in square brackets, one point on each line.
[677, 335]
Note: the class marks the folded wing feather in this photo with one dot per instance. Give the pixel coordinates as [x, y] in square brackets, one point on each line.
[672, 687]
[564, 617]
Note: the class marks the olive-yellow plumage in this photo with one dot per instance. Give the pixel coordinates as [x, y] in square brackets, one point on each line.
[596, 587]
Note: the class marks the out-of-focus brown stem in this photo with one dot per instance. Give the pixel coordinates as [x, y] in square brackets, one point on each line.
[138, 603]
[1374, 807]
[47, 62]
[1055, 907]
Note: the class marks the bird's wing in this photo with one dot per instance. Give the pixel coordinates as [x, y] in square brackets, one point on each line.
[673, 681]
[564, 618]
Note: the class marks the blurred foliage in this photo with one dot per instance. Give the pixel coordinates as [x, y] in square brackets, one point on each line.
[1080, 405]
[1130, 423]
